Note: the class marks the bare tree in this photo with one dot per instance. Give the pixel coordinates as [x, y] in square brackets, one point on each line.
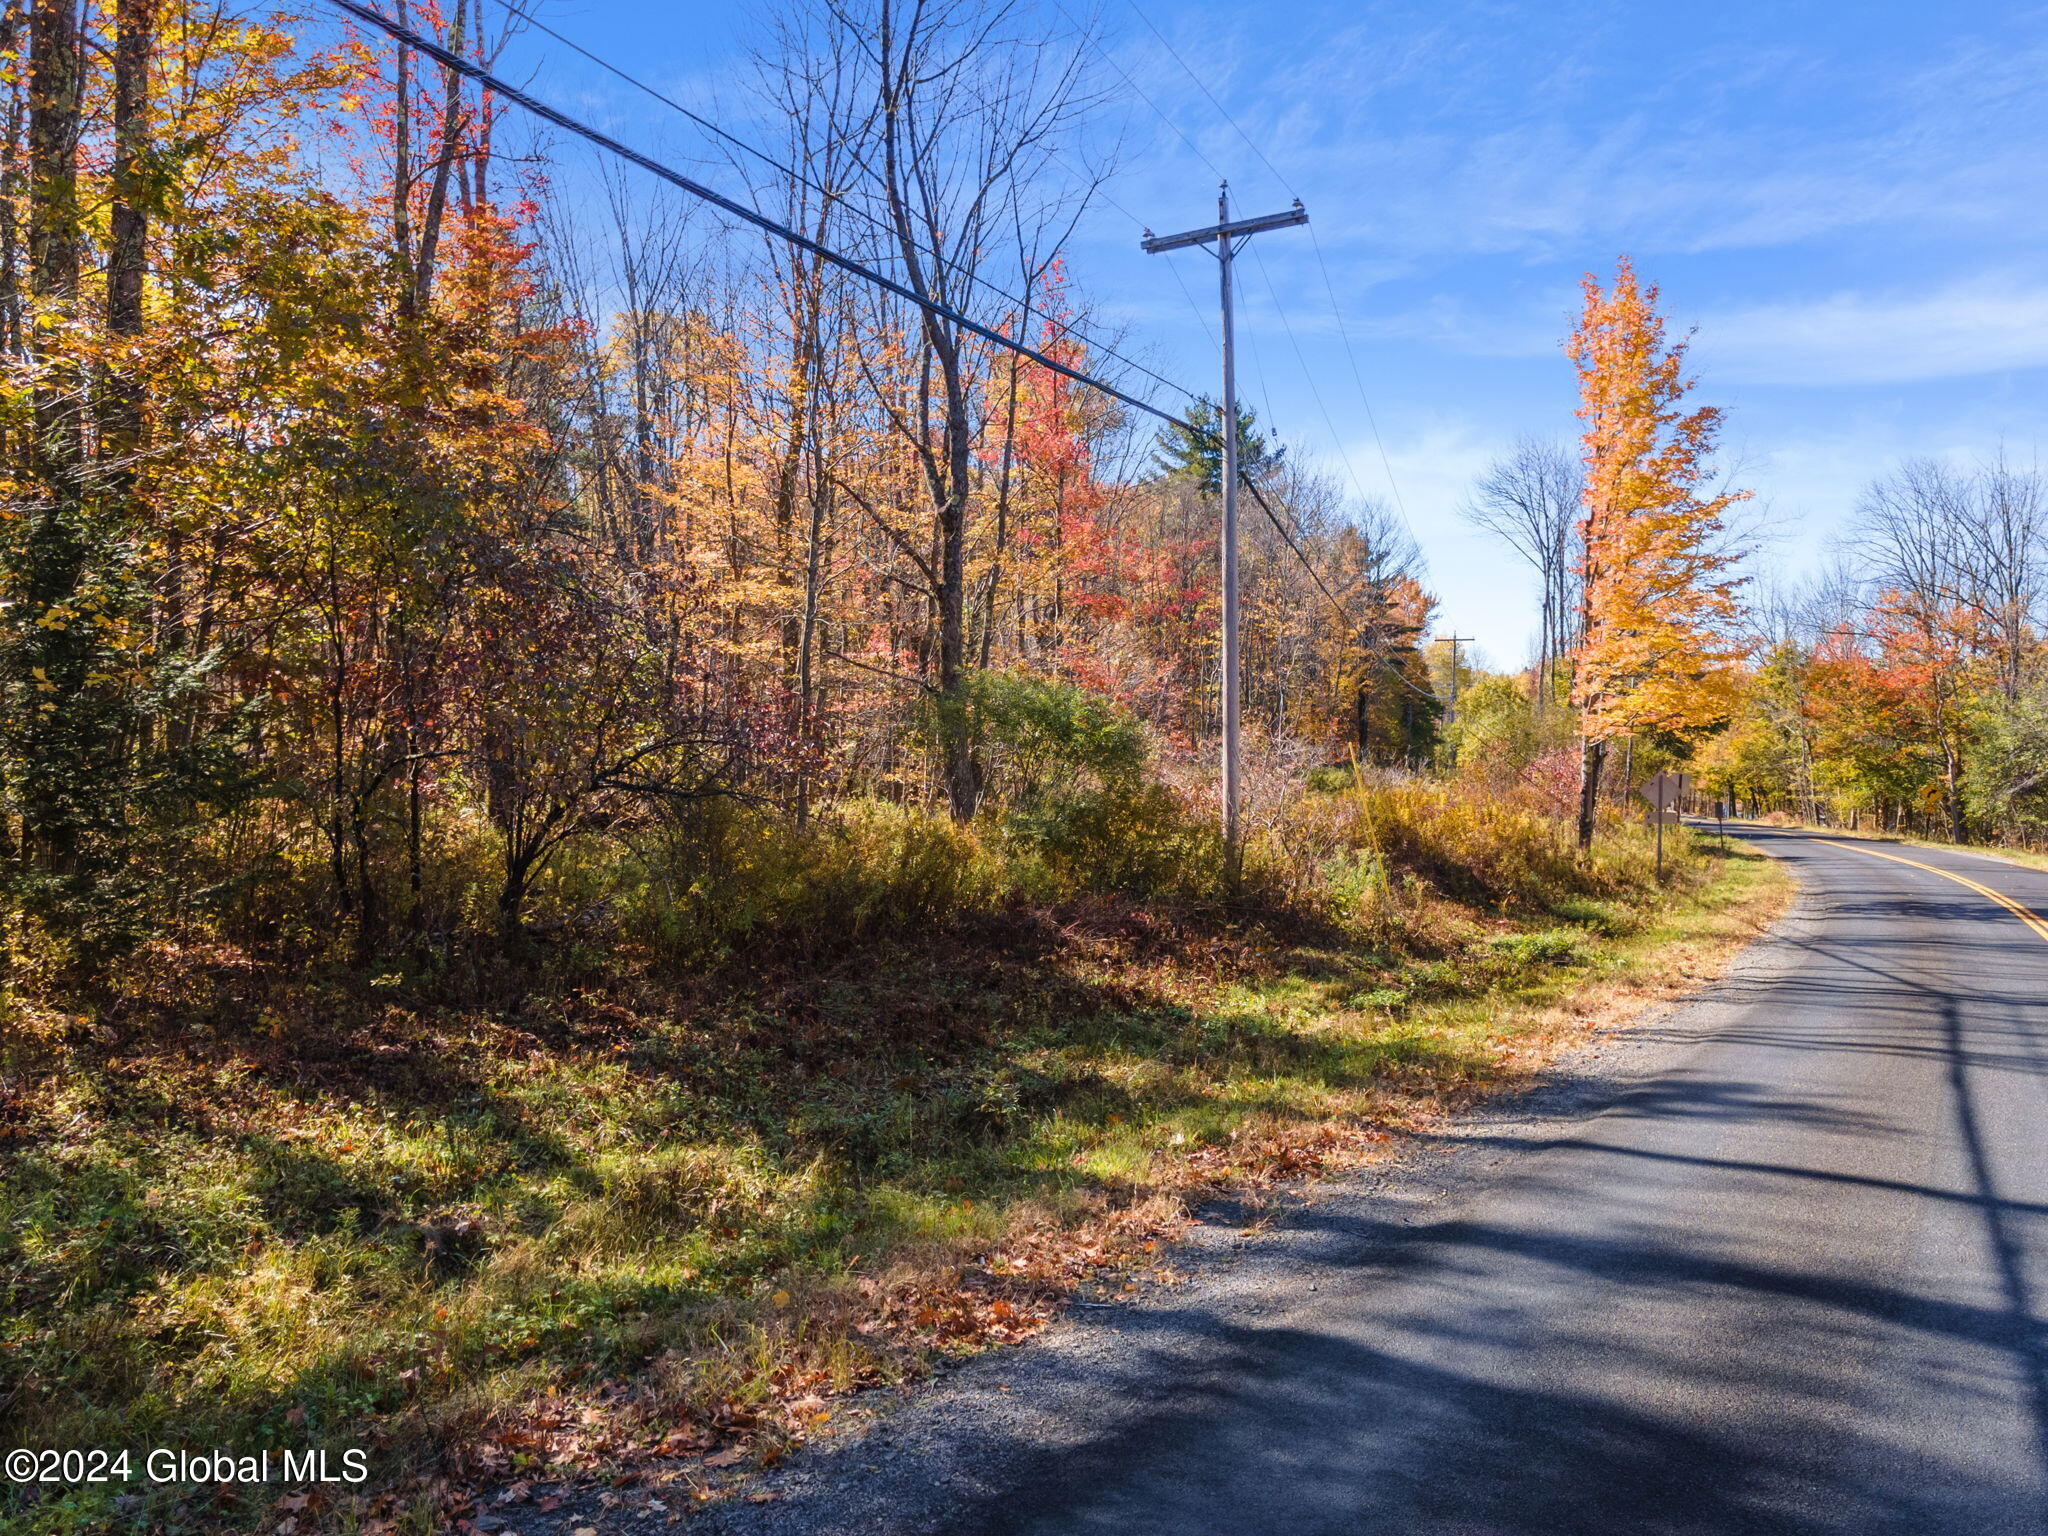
[1959, 557]
[819, 95]
[968, 105]
[2002, 564]
[1529, 498]
[1912, 528]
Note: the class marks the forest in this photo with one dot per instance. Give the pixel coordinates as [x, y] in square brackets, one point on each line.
[607, 832]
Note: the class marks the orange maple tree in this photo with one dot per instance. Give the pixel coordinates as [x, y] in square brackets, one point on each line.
[1659, 605]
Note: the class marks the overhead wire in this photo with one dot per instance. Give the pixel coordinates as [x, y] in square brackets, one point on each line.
[1138, 90]
[470, 70]
[727, 136]
[512, 93]
[1307, 373]
[1358, 377]
[1249, 484]
[1204, 89]
[1315, 244]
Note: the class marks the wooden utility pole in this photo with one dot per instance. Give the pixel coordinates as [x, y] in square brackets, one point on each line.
[1226, 237]
[1451, 717]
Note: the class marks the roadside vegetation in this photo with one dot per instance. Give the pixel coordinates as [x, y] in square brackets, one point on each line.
[606, 830]
[892, 1089]
[1908, 694]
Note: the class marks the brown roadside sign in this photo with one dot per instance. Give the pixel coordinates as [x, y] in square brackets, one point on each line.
[1666, 791]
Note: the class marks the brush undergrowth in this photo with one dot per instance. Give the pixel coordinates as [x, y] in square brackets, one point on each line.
[813, 1107]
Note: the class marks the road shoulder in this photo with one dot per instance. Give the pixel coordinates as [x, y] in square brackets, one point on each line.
[907, 1463]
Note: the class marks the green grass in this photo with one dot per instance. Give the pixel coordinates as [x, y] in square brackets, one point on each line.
[550, 1219]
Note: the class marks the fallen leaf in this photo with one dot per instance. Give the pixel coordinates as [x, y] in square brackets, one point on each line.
[732, 1456]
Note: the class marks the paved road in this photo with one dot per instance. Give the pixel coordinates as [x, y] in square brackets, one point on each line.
[1790, 1279]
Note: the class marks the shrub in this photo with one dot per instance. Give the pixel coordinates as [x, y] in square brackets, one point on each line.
[733, 873]
[1369, 854]
[1137, 839]
[1045, 741]
[1067, 780]
[1329, 779]
[1601, 917]
[1556, 947]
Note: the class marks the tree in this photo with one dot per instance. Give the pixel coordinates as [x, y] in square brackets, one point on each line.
[1955, 564]
[1531, 498]
[1658, 605]
[961, 120]
[70, 661]
[1192, 449]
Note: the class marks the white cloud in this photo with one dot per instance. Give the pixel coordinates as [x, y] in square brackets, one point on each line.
[1981, 326]
[1458, 137]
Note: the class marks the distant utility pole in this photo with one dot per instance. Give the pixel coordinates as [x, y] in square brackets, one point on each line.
[1451, 715]
[1226, 237]
[1456, 641]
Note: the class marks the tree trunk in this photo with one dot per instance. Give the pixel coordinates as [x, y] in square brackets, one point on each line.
[121, 430]
[512, 901]
[53, 549]
[11, 295]
[135, 23]
[1592, 757]
[444, 166]
[956, 734]
[401, 152]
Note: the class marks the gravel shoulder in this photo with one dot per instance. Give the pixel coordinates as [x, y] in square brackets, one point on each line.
[893, 1466]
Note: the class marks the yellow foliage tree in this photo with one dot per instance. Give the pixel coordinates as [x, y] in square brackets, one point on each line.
[1659, 604]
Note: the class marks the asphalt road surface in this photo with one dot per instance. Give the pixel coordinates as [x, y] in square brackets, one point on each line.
[1788, 1276]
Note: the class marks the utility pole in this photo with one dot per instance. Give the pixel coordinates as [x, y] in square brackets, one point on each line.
[1456, 641]
[1226, 237]
[1451, 717]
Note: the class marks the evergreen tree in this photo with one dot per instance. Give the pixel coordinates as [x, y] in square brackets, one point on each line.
[1193, 449]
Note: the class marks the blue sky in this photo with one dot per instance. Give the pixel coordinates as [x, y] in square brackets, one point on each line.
[1849, 202]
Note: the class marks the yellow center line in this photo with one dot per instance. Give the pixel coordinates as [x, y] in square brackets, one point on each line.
[2032, 919]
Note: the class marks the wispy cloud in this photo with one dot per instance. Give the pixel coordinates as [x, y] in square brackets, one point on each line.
[1467, 137]
[1987, 325]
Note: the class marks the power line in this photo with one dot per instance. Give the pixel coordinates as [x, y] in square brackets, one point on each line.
[1308, 374]
[1316, 245]
[1367, 643]
[675, 178]
[798, 177]
[1139, 91]
[464, 67]
[1185, 292]
[1357, 375]
[1358, 378]
[1249, 144]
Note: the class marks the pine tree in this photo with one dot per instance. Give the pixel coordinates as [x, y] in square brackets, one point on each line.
[1193, 449]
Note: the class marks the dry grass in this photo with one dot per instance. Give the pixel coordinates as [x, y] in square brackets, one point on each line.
[610, 1214]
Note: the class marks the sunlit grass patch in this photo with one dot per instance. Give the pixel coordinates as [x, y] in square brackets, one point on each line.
[543, 1229]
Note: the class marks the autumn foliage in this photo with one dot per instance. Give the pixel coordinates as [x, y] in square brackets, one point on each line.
[1658, 647]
